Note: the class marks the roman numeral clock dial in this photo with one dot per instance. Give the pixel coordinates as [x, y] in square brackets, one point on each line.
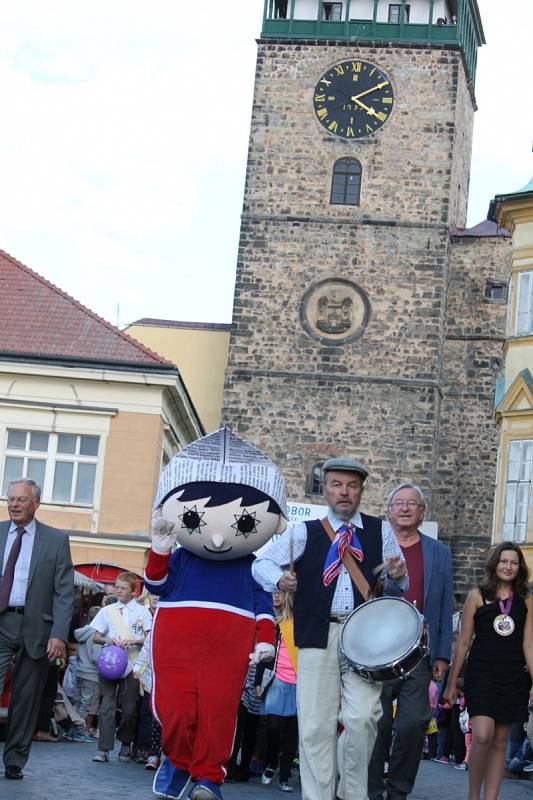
[353, 99]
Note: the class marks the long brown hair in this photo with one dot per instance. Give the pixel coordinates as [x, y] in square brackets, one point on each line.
[489, 585]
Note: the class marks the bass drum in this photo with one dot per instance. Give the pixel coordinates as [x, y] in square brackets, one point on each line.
[384, 639]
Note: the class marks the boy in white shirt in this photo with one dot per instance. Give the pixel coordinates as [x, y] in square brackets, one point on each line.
[125, 624]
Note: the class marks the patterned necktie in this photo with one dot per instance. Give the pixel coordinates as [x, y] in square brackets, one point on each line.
[347, 537]
[6, 583]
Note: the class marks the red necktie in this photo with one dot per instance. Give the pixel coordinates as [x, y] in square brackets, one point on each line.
[6, 583]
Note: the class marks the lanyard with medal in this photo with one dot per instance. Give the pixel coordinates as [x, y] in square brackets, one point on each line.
[503, 623]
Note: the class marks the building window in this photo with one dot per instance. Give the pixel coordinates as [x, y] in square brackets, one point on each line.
[62, 464]
[346, 182]
[280, 9]
[395, 12]
[524, 316]
[496, 291]
[316, 479]
[332, 11]
[518, 490]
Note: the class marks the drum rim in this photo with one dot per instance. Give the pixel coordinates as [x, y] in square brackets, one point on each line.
[398, 659]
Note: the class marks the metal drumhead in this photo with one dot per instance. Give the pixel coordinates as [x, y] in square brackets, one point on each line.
[380, 632]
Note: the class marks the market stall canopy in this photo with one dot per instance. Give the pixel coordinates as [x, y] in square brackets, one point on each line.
[86, 583]
[101, 572]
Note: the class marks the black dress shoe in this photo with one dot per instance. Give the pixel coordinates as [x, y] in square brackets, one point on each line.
[14, 774]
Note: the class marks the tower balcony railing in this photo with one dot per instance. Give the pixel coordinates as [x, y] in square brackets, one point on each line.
[448, 22]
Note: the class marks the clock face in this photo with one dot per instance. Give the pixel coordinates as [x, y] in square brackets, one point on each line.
[353, 99]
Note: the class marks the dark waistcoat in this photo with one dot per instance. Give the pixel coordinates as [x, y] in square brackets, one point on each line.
[312, 601]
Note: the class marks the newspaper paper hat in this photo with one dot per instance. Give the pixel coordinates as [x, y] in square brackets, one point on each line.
[223, 457]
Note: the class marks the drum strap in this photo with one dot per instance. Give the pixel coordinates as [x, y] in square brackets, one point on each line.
[350, 563]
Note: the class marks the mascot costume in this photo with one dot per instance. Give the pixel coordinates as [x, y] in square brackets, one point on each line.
[221, 499]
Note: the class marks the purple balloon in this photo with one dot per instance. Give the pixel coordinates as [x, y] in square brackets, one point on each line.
[112, 662]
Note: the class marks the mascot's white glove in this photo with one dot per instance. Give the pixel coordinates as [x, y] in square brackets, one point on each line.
[164, 534]
[262, 652]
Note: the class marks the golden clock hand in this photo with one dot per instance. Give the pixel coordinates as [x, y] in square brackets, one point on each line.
[367, 91]
[366, 108]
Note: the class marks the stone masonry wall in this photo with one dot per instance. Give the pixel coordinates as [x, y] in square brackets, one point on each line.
[462, 151]
[468, 436]
[301, 422]
[411, 395]
[407, 166]
[402, 269]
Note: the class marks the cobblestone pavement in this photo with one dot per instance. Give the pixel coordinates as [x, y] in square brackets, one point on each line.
[64, 771]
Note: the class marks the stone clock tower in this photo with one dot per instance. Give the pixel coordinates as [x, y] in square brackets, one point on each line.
[356, 184]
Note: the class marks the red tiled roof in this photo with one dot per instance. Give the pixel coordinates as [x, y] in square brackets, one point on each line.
[38, 319]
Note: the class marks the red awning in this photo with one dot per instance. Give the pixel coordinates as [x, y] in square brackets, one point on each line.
[102, 573]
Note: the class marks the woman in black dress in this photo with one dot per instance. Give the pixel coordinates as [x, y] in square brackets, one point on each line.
[499, 615]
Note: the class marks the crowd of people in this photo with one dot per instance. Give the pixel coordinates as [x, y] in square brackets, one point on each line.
[357, 730]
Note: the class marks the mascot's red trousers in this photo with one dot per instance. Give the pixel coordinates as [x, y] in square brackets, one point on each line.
[200, 661]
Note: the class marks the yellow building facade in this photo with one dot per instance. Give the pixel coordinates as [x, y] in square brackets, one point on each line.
[513, 513]
[200, 351]
[116, 430]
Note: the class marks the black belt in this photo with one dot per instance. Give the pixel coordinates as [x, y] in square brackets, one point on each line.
[15, 609]
[339, 620]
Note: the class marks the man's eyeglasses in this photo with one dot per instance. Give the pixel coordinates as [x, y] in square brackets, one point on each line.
[408, 503]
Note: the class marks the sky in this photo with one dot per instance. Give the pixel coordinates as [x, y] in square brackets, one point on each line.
[124, 136]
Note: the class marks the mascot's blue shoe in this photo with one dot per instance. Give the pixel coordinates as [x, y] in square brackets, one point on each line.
[205, 790]
[169, 781]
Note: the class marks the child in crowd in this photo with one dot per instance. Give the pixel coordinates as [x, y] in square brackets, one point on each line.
[465, 725]
[430, 745]
[457, 736]
[124, 624]
[246, 733]
[148, 741]
[443, 717]
[279, 698]
[85, 697]
[69, 678]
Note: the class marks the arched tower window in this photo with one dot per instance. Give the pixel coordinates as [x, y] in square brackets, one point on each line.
[346, 182]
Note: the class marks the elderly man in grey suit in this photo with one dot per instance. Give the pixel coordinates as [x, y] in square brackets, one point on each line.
[36, 593]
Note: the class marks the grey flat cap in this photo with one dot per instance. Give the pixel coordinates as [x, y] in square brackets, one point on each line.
[345, 465]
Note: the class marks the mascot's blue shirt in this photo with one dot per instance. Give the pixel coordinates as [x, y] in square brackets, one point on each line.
[190, 581]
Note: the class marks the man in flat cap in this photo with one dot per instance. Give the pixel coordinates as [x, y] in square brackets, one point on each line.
[336, 562]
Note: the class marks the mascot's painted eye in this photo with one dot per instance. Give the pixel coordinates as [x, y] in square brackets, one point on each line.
[192, 519]
[246, 524]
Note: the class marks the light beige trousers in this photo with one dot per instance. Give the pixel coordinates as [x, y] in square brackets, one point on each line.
[328, 692]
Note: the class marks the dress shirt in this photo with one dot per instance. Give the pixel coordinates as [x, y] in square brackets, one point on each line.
[22, 567]
[268, 568]
[137, 618]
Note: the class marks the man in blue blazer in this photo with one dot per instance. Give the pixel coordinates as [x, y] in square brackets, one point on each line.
[429, 565]
[36, 593]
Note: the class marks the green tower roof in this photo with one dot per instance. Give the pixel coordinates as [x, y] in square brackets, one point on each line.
[521, 194]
